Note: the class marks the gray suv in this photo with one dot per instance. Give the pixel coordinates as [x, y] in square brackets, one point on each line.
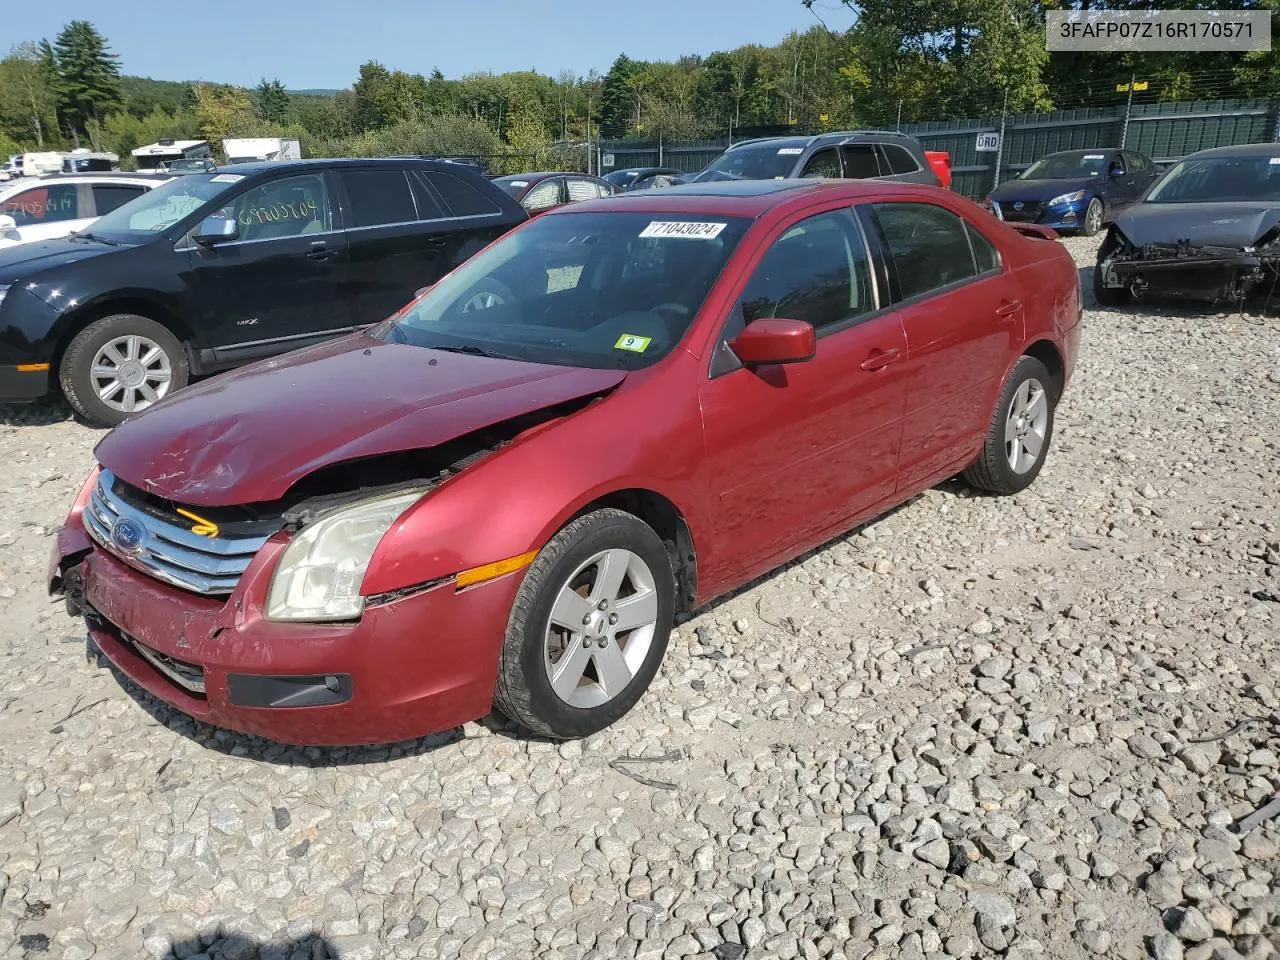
[859, 155]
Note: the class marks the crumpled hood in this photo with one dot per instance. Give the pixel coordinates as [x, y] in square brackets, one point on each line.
[1223, 224]
[248, 436]
[1040, 191]
[21, 260]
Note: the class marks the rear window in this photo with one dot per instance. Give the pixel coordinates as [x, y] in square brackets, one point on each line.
[860, 161]
[929, 246]
[900, 161]
[378, 197]
[462, 199]
[111, 196]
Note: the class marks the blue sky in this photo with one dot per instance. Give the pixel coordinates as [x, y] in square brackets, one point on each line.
[321, 43]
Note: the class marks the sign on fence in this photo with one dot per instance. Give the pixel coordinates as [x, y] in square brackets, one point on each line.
[987, 143]
[607, 160]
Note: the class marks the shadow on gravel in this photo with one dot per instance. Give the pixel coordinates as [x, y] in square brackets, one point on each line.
[40, 413]
[243, 947]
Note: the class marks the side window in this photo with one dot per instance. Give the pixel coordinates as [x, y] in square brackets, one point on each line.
[111, 196]
[985, 253]
[581, 190]
[929, 246]
[428, 205]
[288, 207]
[860, 161]
[463, 199]
[824, 163]
[45, 204]
[1132, 162]
[544, 196]
[378, 197]
[900, 161]
[816, 271]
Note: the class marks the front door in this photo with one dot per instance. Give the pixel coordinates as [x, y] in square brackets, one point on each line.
[283, 283]
[797, 452]
[962, 314]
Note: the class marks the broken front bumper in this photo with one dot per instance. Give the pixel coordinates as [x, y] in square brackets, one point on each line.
[1181, 270]
[422, 663]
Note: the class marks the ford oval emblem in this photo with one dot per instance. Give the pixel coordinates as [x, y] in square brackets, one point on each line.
[127, 536]
[1018, 205]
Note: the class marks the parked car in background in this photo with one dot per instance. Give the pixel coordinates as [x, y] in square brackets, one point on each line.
[861, 155]
[212, 270]
[1208, 230]
[401, 529]
[645, 178]
[940, 161]
[43, 208]
[85, 161]
[7, 172]
[1075, 189]
[540, 192]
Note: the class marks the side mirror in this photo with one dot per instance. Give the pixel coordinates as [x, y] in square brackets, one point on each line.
[1117, 170]
[7, 223]
[216, 229]
[775, 341]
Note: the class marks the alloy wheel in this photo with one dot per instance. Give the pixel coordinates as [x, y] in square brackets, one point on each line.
[1026, 425]
[601, 628]
[130, 373]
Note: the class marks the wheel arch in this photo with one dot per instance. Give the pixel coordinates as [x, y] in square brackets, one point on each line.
[1047, 352]
[70, 324]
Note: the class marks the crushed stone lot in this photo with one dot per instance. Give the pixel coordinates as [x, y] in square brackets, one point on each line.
[979, 727]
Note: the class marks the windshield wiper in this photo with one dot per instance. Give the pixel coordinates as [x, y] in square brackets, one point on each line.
[472, 350]
[99, 239]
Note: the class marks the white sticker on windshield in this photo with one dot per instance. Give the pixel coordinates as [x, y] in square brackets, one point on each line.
[227, 178]
[519, 183]
[1094, 156]
[683, 228]
[790, 151]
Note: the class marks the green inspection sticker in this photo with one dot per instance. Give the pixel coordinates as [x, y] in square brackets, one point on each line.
[633, 343]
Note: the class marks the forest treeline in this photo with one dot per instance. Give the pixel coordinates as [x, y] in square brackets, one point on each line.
[902, 61]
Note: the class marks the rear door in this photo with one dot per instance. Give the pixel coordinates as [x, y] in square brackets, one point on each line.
[284, 283]
[397, 239]
[477, 219]
[110, 196]
[962, 313]
[902, 165]
[49, 209]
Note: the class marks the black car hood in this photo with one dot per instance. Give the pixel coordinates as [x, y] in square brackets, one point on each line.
[1220, 224]
[1041, 190]
[27, 259]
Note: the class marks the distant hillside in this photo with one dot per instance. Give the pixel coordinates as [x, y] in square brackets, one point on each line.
[313, 93]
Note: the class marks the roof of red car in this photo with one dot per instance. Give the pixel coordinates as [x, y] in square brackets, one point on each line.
[741, 198]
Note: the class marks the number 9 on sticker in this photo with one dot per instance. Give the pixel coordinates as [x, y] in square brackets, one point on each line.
[629, 341]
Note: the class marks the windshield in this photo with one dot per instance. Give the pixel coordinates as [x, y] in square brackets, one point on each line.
[1217, 179]
[765, 161]
[601, 290]
[1067, 166]
[512, 186]
[621, 178]
[162, 207]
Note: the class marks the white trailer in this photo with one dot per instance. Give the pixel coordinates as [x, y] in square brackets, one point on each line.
[254, 149]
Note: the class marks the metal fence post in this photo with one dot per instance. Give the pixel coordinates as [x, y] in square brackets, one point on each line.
[1004, 110]
[1128, 109]
[1275, 129]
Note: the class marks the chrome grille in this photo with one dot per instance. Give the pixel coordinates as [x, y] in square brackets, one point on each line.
[167, 550]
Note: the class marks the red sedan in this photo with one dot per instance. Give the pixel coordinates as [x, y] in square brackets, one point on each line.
[504, 494]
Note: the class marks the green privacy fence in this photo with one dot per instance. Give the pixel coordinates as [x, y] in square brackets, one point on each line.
[1163, 131]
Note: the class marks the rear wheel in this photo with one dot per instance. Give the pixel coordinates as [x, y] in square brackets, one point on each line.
[589, 627]
[120, 365]
[1020, 431]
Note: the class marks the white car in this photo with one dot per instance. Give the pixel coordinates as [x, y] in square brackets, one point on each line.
[42, 208]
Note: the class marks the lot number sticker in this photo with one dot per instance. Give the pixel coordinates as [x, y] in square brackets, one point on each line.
[790, 151]
[683, 228]
[629, 341]
[227, 178]
[987, 143]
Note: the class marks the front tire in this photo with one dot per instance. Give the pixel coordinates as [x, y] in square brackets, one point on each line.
[589, 627]
[120, 365]
[1092, 218]
[1020, 432]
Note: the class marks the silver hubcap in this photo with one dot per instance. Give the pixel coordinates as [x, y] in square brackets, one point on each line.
[1026, 425]
[601, 628]
[1093, 216]
[130, 373]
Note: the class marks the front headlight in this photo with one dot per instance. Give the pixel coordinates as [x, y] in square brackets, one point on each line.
[319, 575]
[1072, 197]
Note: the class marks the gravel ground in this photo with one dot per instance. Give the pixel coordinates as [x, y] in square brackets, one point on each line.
[971, 729]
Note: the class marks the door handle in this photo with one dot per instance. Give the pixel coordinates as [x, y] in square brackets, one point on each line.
[1008, 309]
[880, 359]
[321, 252]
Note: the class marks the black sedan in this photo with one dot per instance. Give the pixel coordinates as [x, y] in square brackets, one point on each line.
[645, 178]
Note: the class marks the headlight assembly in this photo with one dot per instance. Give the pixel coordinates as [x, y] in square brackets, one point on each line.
[1073, 197]
[319, 575]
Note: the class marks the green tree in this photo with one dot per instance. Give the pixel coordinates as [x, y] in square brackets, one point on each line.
[223, 111]
[271, 101]
[368, 95]
[28, 101]
[88, 75]
[617, 96]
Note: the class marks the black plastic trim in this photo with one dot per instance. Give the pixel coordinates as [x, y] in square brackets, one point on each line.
[251, 690]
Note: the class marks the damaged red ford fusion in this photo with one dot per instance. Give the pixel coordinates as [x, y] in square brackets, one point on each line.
[1208, 230]
[506, 493]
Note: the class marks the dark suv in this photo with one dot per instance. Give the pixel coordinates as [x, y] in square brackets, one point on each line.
[215, 269]
[861, 155]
